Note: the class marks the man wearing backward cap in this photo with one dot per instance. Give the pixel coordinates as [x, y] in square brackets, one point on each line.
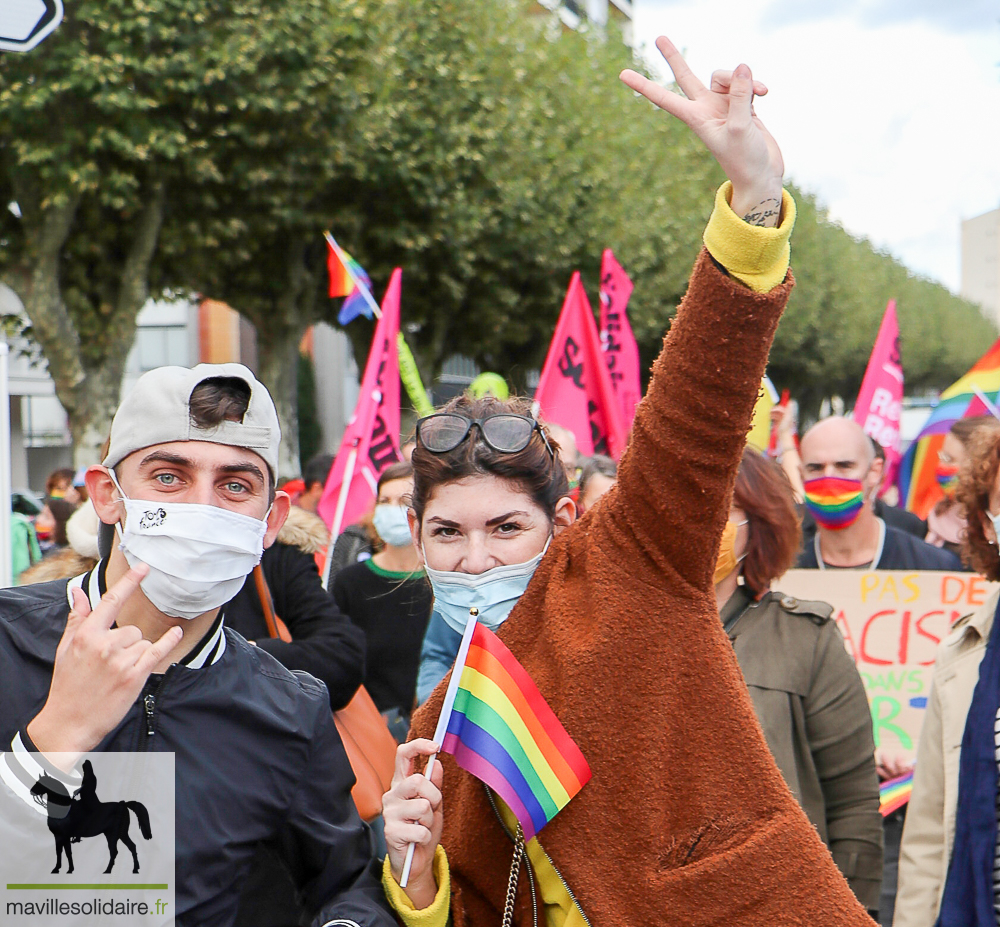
[135, 655]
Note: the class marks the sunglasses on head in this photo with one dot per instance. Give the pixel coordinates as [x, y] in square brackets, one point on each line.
[505, 432]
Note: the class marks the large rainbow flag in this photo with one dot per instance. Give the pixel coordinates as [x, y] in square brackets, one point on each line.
[918, 488]
[501, 730]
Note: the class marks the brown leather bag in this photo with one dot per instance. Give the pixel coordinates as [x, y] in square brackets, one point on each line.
[370, 747]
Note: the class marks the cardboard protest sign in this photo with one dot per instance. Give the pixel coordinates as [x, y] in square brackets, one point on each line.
[892, 622]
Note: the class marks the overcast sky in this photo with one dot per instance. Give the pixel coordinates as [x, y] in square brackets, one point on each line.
[887, 110]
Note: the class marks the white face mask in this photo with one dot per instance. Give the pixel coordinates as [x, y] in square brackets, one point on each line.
[198, 555]
[494, 593]
[391, 524]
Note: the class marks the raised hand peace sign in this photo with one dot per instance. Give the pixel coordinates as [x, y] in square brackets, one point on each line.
[722, 117]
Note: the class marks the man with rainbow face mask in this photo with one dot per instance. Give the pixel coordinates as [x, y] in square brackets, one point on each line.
[841, 477]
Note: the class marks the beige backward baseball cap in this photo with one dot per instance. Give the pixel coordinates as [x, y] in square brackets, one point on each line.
[155, 411]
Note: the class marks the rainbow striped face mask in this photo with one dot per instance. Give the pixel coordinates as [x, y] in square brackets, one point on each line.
[947, 477]
[835, 502]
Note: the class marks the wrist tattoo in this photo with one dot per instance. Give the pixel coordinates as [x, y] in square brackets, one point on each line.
[765, 213]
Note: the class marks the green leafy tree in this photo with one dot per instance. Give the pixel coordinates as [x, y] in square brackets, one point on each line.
[109, 127]
[170, 145]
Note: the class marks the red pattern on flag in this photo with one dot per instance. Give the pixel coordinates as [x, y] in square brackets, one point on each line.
[575, 388]
[617, 341]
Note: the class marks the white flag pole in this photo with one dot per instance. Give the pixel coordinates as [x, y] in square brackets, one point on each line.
[338, 515]
[991, 408]
[345, 486]
[362, 289]
[444, 718]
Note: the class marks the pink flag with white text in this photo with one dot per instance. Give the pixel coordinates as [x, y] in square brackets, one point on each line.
[575, 388]
[621, 352]
[373, 431]
[880, 401]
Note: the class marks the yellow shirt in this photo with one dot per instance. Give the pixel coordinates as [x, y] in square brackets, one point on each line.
[757, 257]
[558, 907]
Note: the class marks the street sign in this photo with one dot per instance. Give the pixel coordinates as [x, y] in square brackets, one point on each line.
[24, 23]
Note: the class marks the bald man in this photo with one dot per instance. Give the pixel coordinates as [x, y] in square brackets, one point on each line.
[842, 475]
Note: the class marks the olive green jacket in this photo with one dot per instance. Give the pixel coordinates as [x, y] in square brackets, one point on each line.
[813, 709]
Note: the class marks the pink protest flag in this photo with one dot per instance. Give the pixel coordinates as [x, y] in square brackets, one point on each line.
[617, 341]
[575, 388]
[371, 439]
[880, 401]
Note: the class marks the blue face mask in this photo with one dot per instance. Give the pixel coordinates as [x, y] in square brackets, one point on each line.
[494, 592]
[391, 524]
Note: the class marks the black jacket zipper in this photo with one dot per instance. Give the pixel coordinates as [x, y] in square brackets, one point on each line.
[148, 720]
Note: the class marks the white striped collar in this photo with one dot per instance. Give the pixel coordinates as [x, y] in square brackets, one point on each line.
[873, 565]
[209, 649]
[20, 769]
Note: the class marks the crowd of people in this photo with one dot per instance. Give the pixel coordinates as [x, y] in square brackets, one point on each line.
[735, 777]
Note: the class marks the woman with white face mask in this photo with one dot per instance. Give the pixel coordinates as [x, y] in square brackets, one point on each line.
[685, 819]
[472, 559]
[388, 597]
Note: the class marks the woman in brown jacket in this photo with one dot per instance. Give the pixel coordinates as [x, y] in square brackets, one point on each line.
[805, 687]
[686, 819]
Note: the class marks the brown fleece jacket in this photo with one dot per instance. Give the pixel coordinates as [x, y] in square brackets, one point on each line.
[686, 820]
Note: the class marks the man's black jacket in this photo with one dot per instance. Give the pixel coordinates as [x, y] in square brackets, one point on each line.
[257, 759]
[324, 642]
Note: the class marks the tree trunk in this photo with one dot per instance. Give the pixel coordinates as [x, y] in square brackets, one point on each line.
[276, 369]
[278, 335]
[37, 285]
[95, 402]
[98, 395]
[89, 393]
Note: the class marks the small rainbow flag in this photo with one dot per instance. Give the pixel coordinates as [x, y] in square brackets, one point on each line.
[341, 266]
[894, 793]
[918, 486]
[501, 730]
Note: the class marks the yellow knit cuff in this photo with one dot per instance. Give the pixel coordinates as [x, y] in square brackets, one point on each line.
[435, 914]
[753, 255]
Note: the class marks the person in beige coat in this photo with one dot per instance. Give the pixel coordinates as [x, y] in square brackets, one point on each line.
[929, 834]
[930, 822]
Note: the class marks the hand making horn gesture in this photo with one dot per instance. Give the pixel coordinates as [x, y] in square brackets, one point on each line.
[722, 116]
[99, 672]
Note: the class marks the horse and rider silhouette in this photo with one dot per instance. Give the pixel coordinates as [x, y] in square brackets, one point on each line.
[85, 815]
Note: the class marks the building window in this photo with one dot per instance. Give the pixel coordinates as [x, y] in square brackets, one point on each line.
[43, 421]
[161, 346]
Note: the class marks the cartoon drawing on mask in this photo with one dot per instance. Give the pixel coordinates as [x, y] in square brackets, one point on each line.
[85, 815]
[153, 519]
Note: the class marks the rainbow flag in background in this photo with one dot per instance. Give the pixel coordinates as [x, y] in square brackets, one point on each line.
[918, 487]
[894, 793]
[502, 731]
[337, 263]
